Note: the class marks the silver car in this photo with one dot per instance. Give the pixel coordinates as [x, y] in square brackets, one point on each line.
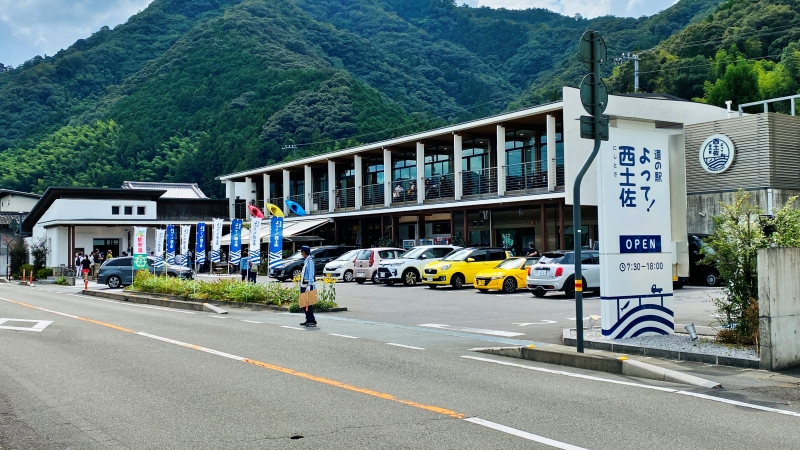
[555, 271]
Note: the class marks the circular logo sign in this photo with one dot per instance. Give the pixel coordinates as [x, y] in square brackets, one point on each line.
[716, 153]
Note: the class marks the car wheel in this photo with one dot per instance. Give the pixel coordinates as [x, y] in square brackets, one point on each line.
[509, 285]
[711, 279]
[360, 280]
[539, 294]
[410, 277]
[348, 276]
[569, 287]
[458, 281]
[375, 279]
[296, 273]
[389, 282]
[114, 282]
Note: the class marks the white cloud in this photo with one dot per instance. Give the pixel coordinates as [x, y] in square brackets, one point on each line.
[587, 8]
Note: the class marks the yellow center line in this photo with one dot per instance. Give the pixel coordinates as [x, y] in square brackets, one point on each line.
[262, 364]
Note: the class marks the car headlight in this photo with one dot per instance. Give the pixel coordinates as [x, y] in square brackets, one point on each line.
[498, 277]
[445, 267]
[340, 266]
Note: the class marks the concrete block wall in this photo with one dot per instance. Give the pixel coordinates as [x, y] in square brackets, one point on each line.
[779, 307]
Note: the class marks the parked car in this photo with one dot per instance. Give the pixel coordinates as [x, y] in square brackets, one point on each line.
[407, 268]
[366, 265]
[460, 267]
[705, 274]
[291, 267]
[118, 272]
[555, 271]
[343, 267]
[506, 276]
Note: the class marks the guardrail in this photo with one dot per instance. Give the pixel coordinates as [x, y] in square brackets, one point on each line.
[404, 191]
[372, 196]
[345, 199]
[526, 177]
[440, 187]
[479, 183]
[319, 203]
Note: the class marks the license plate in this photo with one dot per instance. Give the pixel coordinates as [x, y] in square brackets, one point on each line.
[360, 274]
[328, 275]
[481, 282]
[430, 278]
[542, 272]
[384, 275]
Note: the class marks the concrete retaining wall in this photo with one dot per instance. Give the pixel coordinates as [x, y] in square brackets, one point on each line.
[779, 307]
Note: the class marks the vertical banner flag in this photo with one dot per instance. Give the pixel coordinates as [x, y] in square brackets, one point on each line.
[255, 240]
[235, 250]
[275, 241]
[160, 247]
[216, 240]
[140, 248]
[635, 235]
[170, 244]
[200, 244]
[185, 230]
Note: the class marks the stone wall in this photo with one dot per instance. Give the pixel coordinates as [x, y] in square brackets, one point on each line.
[779, 307]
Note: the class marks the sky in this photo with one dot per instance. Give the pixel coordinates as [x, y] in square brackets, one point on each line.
[43, 27]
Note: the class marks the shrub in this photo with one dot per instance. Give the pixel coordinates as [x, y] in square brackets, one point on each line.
[41, 274]
[27, 268]
[18, 256]
[61, 281]
[326, 297]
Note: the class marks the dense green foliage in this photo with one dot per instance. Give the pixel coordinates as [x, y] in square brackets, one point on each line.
[187, 90]
[747, 50]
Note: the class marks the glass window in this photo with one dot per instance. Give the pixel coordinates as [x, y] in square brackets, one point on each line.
[478, 255]
[364, 255]
[349, 256]
[475, 154]
[441, 252]
[513, 263]
[404, 166]
[496, 255]
[140, 210]
[459, 255]
[386, 254]
[129, 210]
[115, 210]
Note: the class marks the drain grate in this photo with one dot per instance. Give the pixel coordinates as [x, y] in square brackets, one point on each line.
[296, 437]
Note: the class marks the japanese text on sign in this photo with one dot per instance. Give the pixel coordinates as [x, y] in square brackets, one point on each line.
[641, 177]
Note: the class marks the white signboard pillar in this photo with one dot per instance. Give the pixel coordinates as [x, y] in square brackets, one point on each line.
[635, 234]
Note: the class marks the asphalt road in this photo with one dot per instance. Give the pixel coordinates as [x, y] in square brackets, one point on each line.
[105, 374]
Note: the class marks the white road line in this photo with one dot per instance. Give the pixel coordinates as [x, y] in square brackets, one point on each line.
[138, 306]
[250, 321]
[405, 346]
[472, 330]
[219, 317]
[293, 328]
[343, 335]
[523, 434]
[643, 386]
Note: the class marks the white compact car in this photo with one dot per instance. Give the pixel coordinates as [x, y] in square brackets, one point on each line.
[407, 267]
[342, 268]
[555, 271]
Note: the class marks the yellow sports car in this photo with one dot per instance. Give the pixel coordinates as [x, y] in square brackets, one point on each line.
[459, 267]
[507, 276]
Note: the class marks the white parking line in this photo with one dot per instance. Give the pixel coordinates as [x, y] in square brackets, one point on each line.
[523, 434]
[293, 328]
[643, 386]
[405, 346]
[250, 321]
[219, 317]
[343, 335]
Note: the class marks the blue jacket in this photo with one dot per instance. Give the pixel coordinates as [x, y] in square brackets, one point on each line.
[308, 273]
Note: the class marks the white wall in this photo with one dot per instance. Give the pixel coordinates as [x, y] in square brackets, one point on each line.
[82, 209]
[17, 203]
[576, 150]
[58, 240]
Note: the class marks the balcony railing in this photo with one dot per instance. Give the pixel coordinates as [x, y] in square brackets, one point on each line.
[526, 178]
[479, 183]
[404, 191]
[560, 174]
[372, 196]
[299, 199]
[345, 199]
[440, 187]
[319, 203]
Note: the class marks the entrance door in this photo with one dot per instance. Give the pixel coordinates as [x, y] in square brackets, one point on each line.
[104, 245]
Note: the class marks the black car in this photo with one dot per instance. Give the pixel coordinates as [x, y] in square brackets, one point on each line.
[291, 267]
[704, 274]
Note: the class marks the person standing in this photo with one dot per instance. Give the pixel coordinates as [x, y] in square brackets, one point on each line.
[532, 250]
[244, 266]
[78, 260]
[308, 283]
[97, 260]
[109, 256]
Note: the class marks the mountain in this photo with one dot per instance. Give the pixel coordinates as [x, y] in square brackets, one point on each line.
[189, 89]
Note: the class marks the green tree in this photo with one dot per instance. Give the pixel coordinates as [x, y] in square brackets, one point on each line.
[740, 84]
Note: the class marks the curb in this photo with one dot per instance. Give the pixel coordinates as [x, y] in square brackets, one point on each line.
[599, 361]
[664, 354]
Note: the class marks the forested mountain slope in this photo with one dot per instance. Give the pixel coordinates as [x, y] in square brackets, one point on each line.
[189, 89]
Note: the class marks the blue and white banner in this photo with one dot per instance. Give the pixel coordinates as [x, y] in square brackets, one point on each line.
[635, 275]
[171, 244]
[255, 241]
[235, 249]
[200, 244]
[186, 230]
[275, 241]
[216, 240]
[159, 247]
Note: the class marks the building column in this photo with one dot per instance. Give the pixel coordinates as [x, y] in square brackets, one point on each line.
[359, 179]
[420, 173]
[266, 189]
[231, 188]
[308, 183]
[543, 211]
[466, 229]
[332, 186]
[248, 196]
[551, 153]
[501, 160]
[457, 157]
[561, 225]
[387, 177]
[287, 179]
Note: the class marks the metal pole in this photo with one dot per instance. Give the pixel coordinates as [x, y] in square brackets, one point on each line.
[635, 73]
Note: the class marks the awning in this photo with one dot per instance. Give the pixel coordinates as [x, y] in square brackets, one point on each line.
[289, 229]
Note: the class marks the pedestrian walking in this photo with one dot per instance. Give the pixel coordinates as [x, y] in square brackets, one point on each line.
[308, 283]
[253, 273]
[86, 267]
[244, 266]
